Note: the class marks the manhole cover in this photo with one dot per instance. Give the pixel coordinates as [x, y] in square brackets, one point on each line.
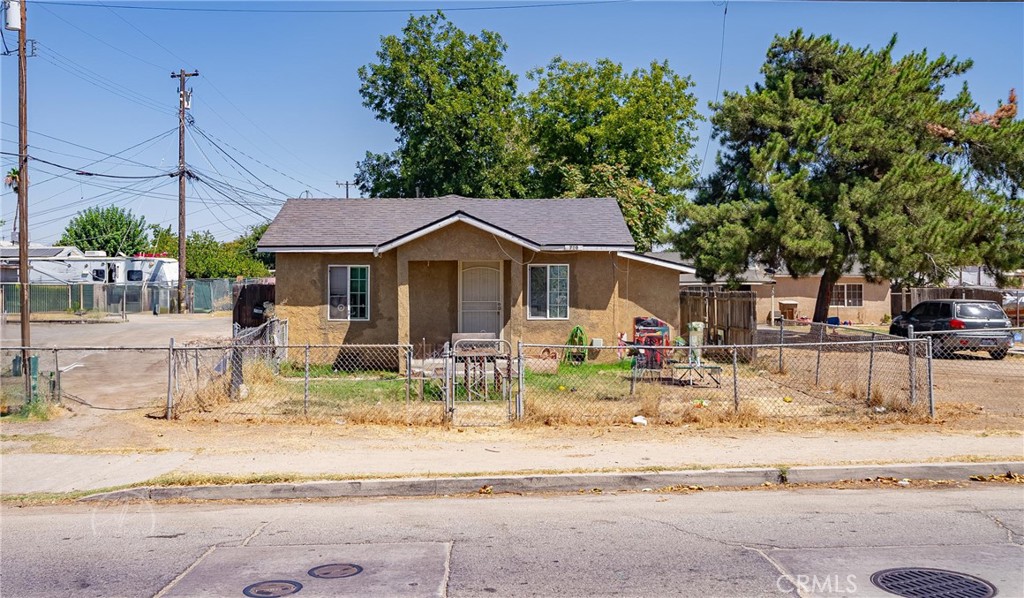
[272, 588]
[335, 571]
[919, 582]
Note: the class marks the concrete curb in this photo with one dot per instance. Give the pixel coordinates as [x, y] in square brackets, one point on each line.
[570, 482]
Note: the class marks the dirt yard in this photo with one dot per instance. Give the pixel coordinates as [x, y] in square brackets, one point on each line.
[116, 379]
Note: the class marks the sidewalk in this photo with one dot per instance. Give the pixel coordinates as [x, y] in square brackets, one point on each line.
[362, 453]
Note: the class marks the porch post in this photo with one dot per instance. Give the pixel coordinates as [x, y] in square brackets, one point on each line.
[516, 313]
[403, 303]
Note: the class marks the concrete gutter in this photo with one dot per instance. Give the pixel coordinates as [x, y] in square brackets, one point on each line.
[570, 482]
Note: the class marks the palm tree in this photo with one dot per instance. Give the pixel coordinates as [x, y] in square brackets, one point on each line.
[11, 180]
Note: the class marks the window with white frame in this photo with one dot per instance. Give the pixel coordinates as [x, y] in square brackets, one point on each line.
[847, 295]
[348, 293]
[549, 292]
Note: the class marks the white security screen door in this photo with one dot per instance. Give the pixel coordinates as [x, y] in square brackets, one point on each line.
[480, 297]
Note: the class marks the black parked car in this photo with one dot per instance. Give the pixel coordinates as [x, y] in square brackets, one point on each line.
[969, 323]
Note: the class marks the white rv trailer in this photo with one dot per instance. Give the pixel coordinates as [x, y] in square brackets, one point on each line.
[68, 265]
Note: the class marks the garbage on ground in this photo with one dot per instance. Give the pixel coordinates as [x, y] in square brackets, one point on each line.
[640, 420]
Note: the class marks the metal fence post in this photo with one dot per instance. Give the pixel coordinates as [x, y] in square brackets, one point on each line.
[521, 391]
[931, 385]
[305, 386]
[821, 341]
[871, 366]
[782, 340]
[170, 378]
[56, 373]
[735, 383]
[408, 374]
[912, 357]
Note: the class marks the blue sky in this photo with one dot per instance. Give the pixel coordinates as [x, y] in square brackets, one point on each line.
[278, 92]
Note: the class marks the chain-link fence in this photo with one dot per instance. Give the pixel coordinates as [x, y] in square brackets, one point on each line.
[349, 383]
[257, 376]
[671, 385]
[41, 374]
[982, 367]
[102, 378]
[205, 295]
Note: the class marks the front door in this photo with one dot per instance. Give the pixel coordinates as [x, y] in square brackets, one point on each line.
[480, 297]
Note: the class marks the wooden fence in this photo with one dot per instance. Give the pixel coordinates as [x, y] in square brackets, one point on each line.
[908, 298]
[730, 317]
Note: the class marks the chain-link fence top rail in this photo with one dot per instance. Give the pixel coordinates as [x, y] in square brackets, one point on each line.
[794, 332]
[671, 385]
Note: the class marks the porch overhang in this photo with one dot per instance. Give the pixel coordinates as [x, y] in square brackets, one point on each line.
[653, 261]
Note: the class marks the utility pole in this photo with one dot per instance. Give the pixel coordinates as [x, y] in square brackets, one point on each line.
[182, 76]
[346, 184]
[26, 334]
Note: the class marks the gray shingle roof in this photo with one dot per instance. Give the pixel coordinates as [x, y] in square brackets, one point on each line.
[320, 223]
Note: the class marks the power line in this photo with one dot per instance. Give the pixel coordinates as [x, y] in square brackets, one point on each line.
[96, 174]
[98, 80]
[337, 10]
[97, 38]
[232, 158]
[718, 85]
[105, 154]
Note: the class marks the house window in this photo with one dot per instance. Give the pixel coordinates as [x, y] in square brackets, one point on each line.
[348, 294]
[549, 292]
[847, 295]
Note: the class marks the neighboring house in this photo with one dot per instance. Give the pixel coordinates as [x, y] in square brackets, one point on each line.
[854, 298]
[420, 270]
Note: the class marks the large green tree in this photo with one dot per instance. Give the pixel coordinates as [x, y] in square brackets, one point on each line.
[643, 208]
[584, 115]
[843, 155]
[112, 229]
[463, 127]
[454, 107]
[995, 155]
[209, 258]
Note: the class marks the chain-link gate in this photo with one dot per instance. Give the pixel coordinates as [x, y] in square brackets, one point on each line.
[481, 382]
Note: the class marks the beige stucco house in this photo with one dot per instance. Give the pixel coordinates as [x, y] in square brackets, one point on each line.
[417, 271]
[854, 298]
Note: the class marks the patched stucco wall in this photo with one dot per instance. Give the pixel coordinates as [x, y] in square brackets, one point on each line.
[433, 301]
[605, 293]
[301, 295]
[647, 290]
[805, 292]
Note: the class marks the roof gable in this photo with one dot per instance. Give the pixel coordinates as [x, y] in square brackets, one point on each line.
[374, 225]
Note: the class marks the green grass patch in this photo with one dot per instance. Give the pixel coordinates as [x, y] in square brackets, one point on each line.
[326, 370]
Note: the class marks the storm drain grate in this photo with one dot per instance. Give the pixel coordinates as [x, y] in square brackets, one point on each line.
[272, 588]
[920, 582]
[335, 571]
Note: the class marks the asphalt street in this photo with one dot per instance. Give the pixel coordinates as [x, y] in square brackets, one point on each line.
[743, 543]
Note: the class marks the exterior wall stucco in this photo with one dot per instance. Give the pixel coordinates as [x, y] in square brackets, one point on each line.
[805, 292]
[302, 299]
[433, 301]
[414, 292]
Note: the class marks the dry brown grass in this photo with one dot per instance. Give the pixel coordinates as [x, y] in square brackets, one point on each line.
[657, 409]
